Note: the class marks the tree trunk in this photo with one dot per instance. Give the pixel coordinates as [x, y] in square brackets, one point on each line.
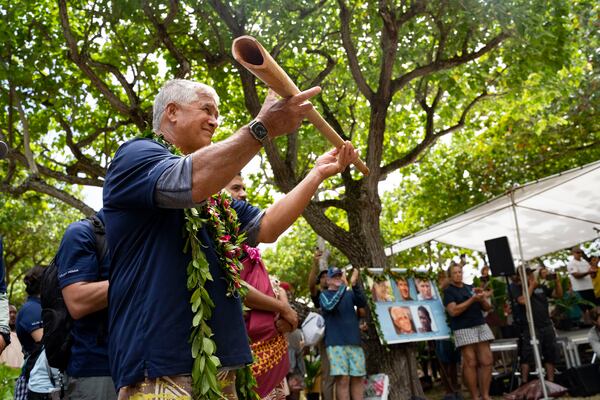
[399, 362]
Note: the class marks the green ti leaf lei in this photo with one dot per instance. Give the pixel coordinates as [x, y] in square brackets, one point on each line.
[221, 221]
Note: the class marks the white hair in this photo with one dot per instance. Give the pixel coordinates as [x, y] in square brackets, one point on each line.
[179, 91]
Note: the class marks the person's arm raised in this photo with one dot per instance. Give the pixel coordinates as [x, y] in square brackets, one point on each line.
[215, 165]
[279, 216]
[312, 275]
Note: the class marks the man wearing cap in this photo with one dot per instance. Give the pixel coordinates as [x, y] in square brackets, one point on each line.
[580, 275]
[342, 333]
[544, 330]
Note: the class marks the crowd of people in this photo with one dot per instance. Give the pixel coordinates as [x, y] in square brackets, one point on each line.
[470, 309]
[271, 324]
[127, 288]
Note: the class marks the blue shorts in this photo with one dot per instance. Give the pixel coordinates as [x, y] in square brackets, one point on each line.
[346, 361]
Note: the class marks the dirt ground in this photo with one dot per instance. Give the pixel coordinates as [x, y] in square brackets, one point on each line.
[437, 393]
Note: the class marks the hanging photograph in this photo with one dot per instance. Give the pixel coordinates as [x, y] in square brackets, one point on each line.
[409, 309]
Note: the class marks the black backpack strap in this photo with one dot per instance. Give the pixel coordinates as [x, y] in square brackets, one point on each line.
[100, 233]
[101, 252]
[30, 360]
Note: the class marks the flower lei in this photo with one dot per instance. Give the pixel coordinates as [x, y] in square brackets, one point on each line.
[221, 221]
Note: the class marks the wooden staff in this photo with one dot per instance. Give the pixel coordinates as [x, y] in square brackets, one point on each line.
[253, 56]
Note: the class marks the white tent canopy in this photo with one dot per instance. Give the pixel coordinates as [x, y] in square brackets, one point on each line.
[553, 213]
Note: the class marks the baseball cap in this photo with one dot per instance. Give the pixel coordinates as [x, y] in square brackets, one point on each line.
[320, 274]
[333, 271]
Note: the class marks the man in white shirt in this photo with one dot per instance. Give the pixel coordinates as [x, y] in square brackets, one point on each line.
[581, 281]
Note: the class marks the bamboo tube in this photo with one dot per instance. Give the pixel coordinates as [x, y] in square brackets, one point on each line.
[253, 56]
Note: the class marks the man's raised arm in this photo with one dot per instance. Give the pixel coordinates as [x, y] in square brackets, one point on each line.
[215, 165]
[286, 210]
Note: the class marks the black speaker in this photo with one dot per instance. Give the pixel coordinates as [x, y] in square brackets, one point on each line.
[582, 381]
[500, 257]
[502, 384]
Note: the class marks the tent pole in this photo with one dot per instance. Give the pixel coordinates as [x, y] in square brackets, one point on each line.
[429, 255]
[525, 284]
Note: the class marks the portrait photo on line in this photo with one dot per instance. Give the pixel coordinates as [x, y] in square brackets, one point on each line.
[408, 308]
[380, 290]
[426, 289]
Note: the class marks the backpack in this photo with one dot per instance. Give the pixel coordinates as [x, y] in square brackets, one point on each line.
[57, 321]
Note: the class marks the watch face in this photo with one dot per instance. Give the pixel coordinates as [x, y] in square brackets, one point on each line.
[259, 130]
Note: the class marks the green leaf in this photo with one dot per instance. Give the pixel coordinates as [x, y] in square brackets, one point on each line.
[196, 347]
[208, 346]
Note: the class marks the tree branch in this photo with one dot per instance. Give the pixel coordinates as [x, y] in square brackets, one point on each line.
[335, 203]
[81, 60]
[361, 83]
[84, 163]
[325, 228]
[15, 156]
[439, 65]
[305, 12]
[326, 71]
[26, 136]
[429, 139]
[134, 100]
[227, 15]
[461, 122]
[161, 29]
[38, 185]
[89, 139]
[331, 118]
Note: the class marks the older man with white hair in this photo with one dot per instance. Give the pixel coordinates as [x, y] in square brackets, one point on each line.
[146, 191]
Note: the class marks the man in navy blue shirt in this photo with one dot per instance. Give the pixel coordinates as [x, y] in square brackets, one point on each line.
[145, 192]
[83, 279]
[29, 323]
[342, 333]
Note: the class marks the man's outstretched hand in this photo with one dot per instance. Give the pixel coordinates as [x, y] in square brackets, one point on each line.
[335, 161]
[285, 115]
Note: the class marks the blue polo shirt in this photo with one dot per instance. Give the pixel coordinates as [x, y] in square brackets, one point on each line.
[77, 261]
[150, 318]
[29, 319]
[341, 321]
